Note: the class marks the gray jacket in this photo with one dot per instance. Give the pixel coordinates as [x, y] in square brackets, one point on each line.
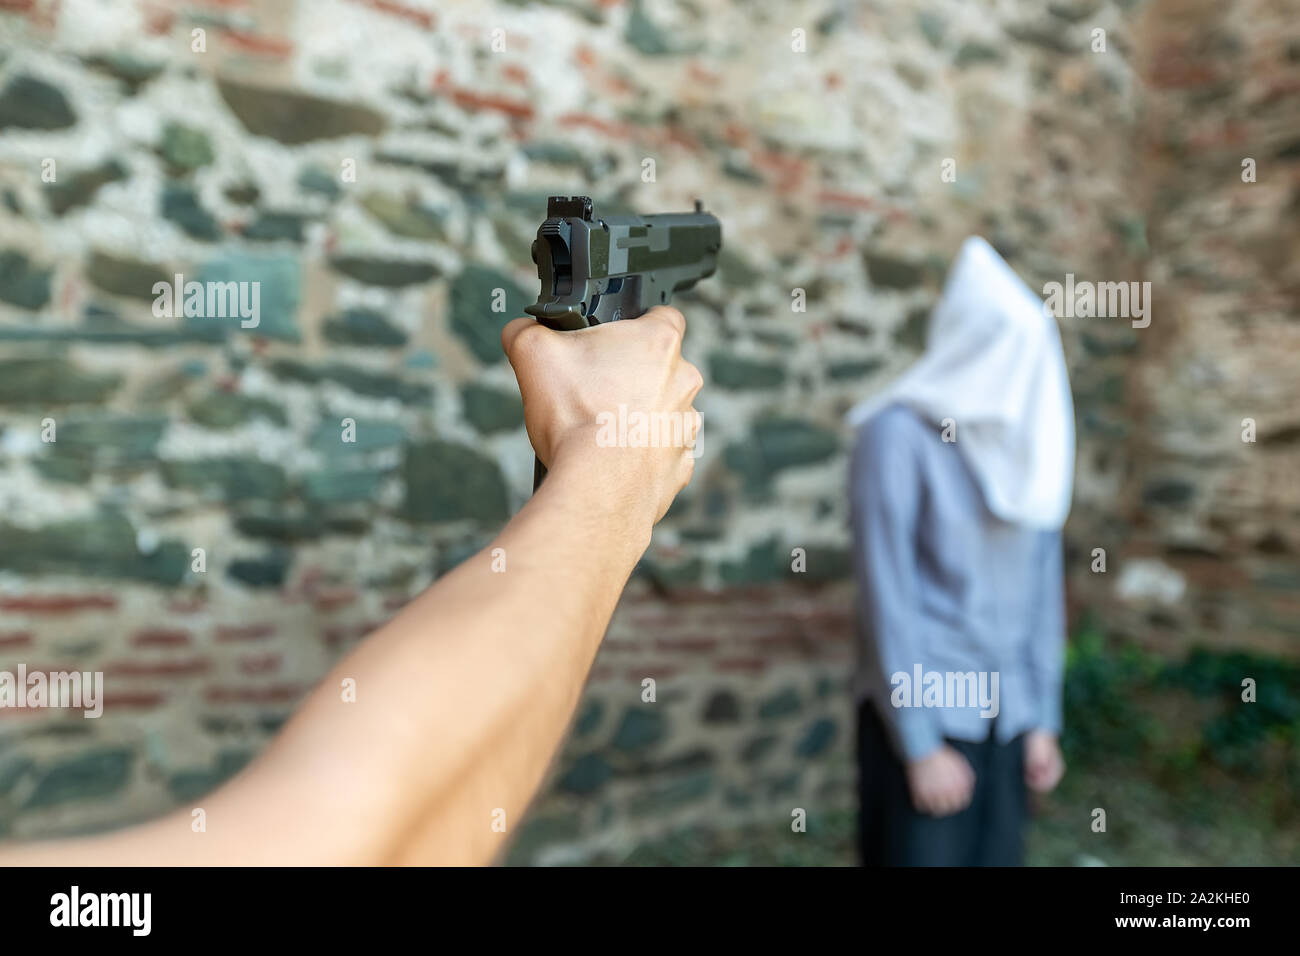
[950, 594]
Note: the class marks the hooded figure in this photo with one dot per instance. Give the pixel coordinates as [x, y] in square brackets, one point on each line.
[960, 482]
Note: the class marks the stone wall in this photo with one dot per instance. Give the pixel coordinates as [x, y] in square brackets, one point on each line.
[380, 168]
[1205, 410]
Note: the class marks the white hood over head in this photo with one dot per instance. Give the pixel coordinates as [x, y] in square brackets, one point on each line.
[993, 364]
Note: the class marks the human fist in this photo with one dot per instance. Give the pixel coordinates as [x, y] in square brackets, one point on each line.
[941, 783]
[1044, 765]
[577, 386]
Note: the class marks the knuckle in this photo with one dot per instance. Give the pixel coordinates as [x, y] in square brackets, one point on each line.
[668, 335]
[674, 316]
[528, 340]
[665, 331]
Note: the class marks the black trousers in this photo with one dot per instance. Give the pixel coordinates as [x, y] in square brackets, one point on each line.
[989, 832]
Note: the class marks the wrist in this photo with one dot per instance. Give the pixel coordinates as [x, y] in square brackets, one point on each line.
[609, 488]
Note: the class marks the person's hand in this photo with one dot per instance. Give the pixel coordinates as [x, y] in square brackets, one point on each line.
[573, 383]
[1044, 765]
[941, 783]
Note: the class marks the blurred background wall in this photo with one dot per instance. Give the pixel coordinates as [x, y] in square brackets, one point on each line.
[380, 167]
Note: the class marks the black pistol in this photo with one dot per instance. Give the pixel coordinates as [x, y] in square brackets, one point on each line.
[596, 269]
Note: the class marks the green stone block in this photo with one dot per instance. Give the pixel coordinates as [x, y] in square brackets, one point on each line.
[491, 410]
[235, 478]
[971, 53]
[124, 276]
[474, 293]
[587, 775]
[314, 179]
[539, 832]
[271, 724]
[740, 170]
[665, 799]
[71, 471]
[180, 204]
[295, 371]
[449, 482]
[96, 774]
[891, 272]
[29, 103]
[402, 218]
[668, 576]
[1051, 37]
[723, 707]
[823, 564]
[737, 271]
[776, 444]
[266, 571]
[103, 545]
[733, 371]
[185, 148]
[589, 718]
[780, 704]
[280, 526]
[222, 410]
[133, 72]
[278, 279]
[853, 369]
[910, 333]
[817, 739]
[12, 769]
[1169, 492]
[369, 436]
[555, 152]
[642, 727]
[79, 189]
[646, 36]
[339, 486]
[292, 117]
[52, 381]
[111, 332]
[271, 226]
[187, 785]
[693, 759]
[378, 384]
[111, 437]
[933, 26]
[739, 798]
[242, 193]
[21, 283]
[389, 273]
[784, 785]
[363, 327]
[764, 562]
[757, 748]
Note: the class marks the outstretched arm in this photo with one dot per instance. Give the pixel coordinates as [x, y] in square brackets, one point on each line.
[463, 697]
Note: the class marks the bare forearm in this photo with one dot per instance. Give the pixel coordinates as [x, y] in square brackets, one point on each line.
[566, 559]
[462, 698]
[460, 701]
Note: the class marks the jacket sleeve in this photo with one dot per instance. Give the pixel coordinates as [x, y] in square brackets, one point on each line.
[885, 501]
[1047, 637]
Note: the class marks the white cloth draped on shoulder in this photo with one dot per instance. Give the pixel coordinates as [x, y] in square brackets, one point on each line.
[993, 364]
